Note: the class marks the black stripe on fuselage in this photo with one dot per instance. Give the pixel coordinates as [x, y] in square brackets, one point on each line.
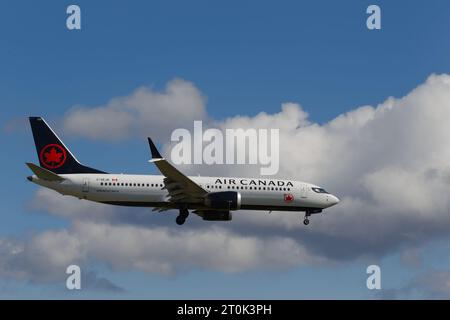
[192, 206]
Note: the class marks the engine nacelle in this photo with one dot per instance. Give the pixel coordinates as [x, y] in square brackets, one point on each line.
[211, 215]
[224, 200]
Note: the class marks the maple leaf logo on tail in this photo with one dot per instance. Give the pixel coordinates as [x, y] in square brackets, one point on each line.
[53, 156]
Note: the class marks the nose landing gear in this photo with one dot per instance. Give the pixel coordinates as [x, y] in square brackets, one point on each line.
[181, 218]
[306, 220]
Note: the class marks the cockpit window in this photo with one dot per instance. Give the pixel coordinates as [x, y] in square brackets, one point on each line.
[319, 190]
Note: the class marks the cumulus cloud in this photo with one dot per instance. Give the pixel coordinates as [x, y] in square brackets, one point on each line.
[44, 259]
[389, 164]
[160, 250]
[144, 112]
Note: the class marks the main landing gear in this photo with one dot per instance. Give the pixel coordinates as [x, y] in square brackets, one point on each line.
[306, 220]
[181, 218]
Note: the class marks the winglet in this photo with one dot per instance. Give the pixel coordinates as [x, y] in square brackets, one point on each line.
[154, 151]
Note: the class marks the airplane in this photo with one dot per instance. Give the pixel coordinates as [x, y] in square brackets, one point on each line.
[211, 198]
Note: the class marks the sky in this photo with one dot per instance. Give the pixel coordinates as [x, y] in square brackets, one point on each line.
[360, 112]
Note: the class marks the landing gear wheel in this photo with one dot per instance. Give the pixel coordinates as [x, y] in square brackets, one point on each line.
[180, 220]
[306, 220]
[184, 213]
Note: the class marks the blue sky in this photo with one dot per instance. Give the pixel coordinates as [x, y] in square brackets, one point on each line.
[245, 58]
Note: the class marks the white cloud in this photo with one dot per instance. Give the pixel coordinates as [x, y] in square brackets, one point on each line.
[389, 164]
[393, 158]
[160, 250]
[145, 112]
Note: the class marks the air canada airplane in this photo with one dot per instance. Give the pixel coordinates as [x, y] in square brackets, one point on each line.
[212, 198]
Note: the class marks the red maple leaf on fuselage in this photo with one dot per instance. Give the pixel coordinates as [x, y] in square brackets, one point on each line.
[53, 156]
[288, 197]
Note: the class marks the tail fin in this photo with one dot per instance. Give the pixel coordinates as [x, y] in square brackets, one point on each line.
[53, 154]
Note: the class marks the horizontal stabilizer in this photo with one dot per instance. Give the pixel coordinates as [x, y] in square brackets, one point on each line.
[43, 174]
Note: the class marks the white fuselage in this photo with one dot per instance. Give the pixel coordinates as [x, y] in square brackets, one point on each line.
[149, 191]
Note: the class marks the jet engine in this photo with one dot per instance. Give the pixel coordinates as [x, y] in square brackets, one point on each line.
[225, 200]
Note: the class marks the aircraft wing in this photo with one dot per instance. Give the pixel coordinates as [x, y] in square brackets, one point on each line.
[179, 186]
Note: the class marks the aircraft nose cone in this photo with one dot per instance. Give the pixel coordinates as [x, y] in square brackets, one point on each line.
[334, 200]
[30, 178]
